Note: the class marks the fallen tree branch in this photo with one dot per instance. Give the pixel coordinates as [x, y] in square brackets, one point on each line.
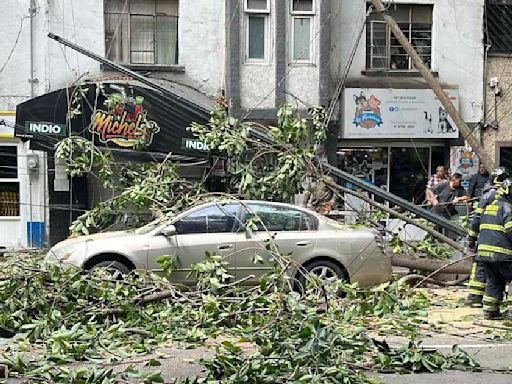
[494, 326]
[409, 279]
[437, 235]
[444, 268]
[167, 294]
[429, 265]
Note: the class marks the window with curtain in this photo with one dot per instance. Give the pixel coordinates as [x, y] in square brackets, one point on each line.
[302, 14]
[142, 31]
[256, 24]
[383, 51]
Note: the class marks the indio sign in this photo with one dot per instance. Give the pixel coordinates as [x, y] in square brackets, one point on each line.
[194, 144]
[45, 128]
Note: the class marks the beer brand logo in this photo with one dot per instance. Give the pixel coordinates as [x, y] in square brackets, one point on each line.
[125, 123]
[45, 128]
[367, 113]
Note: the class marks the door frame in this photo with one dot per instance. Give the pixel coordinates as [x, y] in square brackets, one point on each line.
[364, 144]
[497, 149]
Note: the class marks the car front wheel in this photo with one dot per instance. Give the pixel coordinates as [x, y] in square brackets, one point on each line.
[116, 268]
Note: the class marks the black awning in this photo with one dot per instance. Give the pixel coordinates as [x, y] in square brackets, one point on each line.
[115, 115]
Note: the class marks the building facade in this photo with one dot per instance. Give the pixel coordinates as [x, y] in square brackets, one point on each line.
[384, 123]
[393, 130]
[179, 44]
[496, 127]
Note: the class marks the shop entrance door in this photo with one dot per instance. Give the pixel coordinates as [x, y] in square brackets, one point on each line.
[409, 170]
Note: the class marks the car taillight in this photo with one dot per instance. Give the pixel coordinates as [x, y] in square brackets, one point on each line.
[379, 239]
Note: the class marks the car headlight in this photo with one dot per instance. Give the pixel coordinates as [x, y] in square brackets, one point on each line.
[65, 252]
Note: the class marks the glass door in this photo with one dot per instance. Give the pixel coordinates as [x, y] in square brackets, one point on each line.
[409, 170]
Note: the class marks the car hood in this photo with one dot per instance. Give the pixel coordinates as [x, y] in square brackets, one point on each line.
[96, 236]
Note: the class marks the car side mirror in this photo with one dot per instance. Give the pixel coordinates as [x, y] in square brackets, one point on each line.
[169, 231]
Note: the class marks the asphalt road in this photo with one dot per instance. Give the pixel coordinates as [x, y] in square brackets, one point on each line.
[181, 362]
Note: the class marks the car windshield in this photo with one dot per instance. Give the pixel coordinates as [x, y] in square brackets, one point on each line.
[150, 226]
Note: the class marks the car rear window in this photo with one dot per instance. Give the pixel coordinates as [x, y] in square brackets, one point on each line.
[276, 218]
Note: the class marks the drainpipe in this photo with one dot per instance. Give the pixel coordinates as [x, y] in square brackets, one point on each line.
[487, 47]
[32, 13]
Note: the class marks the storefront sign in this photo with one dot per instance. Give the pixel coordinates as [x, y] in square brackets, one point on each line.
[125, 123]
[113, 115]
[44, 128]
[464, 161]
[7, 122]
[397, 113]
[194, 144]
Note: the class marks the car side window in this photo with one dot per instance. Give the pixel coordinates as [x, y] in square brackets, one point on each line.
[219, 218]
[275, 218]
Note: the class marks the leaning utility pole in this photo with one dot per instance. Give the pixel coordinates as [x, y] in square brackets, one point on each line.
[434, 85]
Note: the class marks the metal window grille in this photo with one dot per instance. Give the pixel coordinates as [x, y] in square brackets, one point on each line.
[383, 51]
[142, 31]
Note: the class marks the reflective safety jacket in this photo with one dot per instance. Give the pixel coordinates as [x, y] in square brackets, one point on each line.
[495, 238]
[488, 196]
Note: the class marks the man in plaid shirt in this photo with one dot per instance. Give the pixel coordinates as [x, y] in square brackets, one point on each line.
[439, 177]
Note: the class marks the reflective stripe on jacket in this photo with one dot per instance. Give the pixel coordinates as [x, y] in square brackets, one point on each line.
[487, 198]
[495, 238]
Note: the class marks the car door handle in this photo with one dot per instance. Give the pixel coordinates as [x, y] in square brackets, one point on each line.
[303, 243]
[225, 246]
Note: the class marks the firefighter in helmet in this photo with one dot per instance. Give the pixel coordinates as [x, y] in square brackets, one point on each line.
[494, 250]
[477, 278]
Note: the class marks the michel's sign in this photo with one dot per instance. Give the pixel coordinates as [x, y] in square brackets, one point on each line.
[43, 128]
[124, 123]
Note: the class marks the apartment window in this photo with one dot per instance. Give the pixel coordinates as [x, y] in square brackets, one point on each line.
[257, 29]
[383, 51]
[302, 14]
[142, 31]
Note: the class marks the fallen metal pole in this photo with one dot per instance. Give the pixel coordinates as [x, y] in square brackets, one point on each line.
[437, 235]
[434, 85]
[372, 189]
[126, 71]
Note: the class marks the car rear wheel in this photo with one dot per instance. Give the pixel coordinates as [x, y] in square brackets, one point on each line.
[116, 268]
[328, 272]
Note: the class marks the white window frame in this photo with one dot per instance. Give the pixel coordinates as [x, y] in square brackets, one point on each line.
[303, 15]
[311, 13]
[385, 55]
[311, 59]
[264, 14]
[250, 10]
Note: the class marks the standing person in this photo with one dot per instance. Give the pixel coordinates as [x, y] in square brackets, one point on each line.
[478, 181]
[478, 278]
[444, 196]
[438, 177]
[494, 250]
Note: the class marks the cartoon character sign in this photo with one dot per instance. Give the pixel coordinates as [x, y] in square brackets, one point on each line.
[367, 113]
[125, 122]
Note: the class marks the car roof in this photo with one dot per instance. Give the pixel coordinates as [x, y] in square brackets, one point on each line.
[266, 202]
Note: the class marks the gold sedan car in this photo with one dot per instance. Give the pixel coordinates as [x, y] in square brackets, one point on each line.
[317, 244]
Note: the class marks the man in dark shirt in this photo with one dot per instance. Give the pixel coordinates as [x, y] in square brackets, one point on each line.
[445, 195]
[478, 182]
